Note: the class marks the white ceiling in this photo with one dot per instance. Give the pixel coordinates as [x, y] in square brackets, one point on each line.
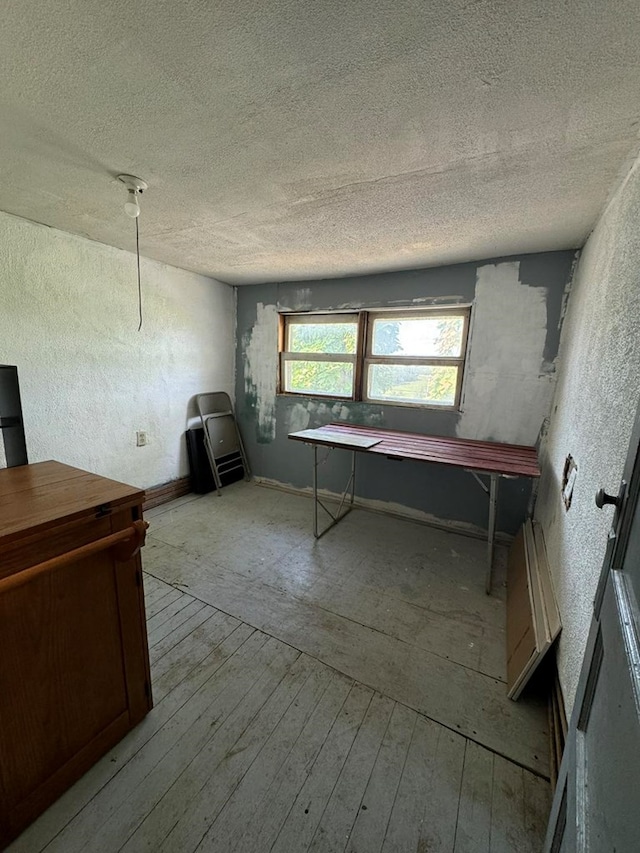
[287, 139]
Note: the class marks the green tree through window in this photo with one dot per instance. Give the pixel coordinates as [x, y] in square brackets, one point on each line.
[411, 357]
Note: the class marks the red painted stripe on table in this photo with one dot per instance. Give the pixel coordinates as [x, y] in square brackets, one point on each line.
[387, 433]
[463, 452]
[500, 466]
[480, 452]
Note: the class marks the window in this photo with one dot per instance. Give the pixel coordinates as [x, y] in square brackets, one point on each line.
[411, 358]
[320, 353]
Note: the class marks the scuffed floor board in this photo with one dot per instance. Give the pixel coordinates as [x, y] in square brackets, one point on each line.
[395, 605]
[255, 746]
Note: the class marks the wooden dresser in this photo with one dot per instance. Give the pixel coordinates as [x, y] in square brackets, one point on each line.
[74, 663]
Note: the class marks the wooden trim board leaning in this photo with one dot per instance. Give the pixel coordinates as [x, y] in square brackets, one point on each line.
[533, 618]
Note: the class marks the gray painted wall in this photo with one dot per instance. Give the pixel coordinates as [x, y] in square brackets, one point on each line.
[593, 411]
[509, 381]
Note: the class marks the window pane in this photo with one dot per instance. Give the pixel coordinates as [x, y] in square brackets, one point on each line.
[322, 337]
[419, 337]
[332, 378]
[432, 384]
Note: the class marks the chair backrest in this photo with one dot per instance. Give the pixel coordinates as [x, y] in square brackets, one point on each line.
[214, 403]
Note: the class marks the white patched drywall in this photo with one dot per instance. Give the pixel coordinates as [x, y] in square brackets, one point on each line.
[593, 412]
[88, 378]
[261, 368]
[508, 387]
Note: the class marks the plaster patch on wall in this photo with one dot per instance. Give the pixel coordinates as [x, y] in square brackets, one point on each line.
[372, 416]
[301, 300]
[298, 417]
[261, 369]
[430, 300]
[316, 413]
[506, 359]
[308, 305]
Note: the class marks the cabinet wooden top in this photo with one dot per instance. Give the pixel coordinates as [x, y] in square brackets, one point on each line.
[46, 494]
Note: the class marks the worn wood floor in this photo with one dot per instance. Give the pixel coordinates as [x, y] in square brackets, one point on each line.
[344, 695]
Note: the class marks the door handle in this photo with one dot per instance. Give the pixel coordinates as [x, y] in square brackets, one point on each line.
[602, 498]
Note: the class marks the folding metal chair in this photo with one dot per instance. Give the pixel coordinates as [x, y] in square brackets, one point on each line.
[222, 439]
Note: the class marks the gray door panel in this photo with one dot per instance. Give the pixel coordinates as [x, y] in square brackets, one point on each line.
[596, 805]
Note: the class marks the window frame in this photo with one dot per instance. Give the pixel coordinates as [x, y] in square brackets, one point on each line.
[368, 357]
[327, 357]
[363, 357]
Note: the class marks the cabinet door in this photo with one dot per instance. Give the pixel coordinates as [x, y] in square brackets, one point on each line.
[133, 625]
[72, 666]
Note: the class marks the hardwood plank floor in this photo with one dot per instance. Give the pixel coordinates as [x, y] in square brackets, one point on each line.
[257, 744]
[393, 604]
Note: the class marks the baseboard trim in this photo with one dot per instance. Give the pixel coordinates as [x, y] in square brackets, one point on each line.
[165, 492]
[392, 509]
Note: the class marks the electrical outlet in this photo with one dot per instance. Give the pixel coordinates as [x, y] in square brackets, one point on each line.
[141, 438]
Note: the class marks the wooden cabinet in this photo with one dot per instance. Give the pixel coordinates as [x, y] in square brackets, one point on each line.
[74, 664]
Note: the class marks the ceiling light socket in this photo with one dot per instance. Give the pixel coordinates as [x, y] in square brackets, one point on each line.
[133, 184]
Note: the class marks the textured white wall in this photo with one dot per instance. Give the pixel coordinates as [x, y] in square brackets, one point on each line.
[88, 378]
[594, 408]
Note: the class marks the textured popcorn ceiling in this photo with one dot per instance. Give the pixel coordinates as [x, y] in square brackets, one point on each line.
[285, 139]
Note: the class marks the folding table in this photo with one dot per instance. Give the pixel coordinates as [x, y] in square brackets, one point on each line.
[490, 458]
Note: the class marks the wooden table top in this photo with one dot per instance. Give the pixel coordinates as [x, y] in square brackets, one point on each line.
[488, 456]
[45, 494]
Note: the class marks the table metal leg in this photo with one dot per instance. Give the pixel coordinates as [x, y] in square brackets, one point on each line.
[491, 534]
[353, 476]
[350, 489]
[315, 490]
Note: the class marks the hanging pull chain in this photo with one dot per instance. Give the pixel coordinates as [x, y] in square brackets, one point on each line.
[135, 187]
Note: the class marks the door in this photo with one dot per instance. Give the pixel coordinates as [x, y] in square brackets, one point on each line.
[596, 802]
